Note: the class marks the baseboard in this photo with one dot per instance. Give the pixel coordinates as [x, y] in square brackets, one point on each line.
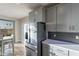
[18, 42]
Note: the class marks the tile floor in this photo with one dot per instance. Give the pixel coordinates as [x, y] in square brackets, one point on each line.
[19, 49]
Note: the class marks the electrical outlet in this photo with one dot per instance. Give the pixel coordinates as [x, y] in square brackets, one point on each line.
[76, 37]
[54, 35]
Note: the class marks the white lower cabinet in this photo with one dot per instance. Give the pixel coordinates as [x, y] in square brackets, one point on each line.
[51, 51]
[56, 50]
[67, 49]
[73, 53]
[60, 51]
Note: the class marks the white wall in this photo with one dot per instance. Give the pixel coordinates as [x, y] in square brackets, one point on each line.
[17, 31]
[23, 21]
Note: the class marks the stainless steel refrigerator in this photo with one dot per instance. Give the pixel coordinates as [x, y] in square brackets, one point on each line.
[36, 34]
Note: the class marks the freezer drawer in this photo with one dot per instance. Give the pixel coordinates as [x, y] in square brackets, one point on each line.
[30, 52]
[60, 51]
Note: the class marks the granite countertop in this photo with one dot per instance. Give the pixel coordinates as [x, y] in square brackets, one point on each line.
[67, 45]
[49, 41]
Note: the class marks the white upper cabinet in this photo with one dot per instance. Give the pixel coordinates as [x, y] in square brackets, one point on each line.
[40, 14]
[68, 17]
[51, 15]
[58, 18]
[51, 19]
[75, 18]
[64, 17]
[31, 17]
[37, 15]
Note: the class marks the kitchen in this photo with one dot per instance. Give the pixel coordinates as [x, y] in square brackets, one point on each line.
[48, 29]
[61, 21]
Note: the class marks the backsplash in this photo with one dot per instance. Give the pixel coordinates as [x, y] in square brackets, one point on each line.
[51, 35]
[65, 36]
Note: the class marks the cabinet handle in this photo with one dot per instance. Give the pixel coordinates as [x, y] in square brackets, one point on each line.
[60, 50]
[73, 27]
[69, 27]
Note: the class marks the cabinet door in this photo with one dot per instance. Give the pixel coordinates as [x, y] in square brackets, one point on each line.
[40, 14]
[63, 17]
[75, 18]
[45, 50]
[51, 51]
[73, 53]
[31, 17]
[51, 19]
[60, 51]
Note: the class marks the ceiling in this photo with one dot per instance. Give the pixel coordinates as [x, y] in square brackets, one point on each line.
[18, 10]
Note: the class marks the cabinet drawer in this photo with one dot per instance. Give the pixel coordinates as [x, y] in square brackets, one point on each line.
[30, 52]
[51, 48]
[60, 51]
[51, 52]
[73, 53]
